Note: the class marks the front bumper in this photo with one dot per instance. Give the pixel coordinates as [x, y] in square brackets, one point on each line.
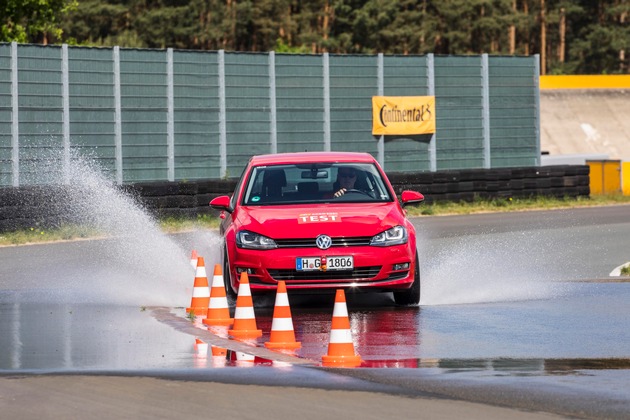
[376, 269]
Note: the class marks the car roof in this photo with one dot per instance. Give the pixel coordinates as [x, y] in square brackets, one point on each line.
[306, 157]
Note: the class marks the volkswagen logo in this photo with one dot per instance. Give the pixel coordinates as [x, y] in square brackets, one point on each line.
[323, 242]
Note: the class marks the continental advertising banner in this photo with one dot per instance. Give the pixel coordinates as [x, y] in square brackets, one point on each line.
[403, 115]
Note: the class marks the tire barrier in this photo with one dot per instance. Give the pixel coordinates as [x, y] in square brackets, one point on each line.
[469, 184]
[48, 206]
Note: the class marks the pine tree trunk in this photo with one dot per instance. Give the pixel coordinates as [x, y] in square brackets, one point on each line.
[563, 31]
[512, 34]
[527, 35]
[622, 52]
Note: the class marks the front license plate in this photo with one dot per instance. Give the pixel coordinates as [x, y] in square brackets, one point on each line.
[324, 263]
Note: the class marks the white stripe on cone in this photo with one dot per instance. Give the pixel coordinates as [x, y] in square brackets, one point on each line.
[201, 292]
[243, 289]
[217, 281]
[216, 303]
[282, 324]
[244, 312]
[340, 336]
[282, 299]
[340, 309]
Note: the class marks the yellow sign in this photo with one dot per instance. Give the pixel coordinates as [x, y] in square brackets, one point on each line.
[400, 115]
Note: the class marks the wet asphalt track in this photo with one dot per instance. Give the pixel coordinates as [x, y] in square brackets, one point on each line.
[518, 310]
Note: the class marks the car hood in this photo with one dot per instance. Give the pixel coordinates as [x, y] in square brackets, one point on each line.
[282, 222]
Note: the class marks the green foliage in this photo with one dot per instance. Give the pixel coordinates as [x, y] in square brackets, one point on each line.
[35, 21]
[625, 271]
[596, 34]
[36, 234]
[593, 34]
[283, 48]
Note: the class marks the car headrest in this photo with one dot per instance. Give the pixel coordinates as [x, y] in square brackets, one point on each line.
[275, 177]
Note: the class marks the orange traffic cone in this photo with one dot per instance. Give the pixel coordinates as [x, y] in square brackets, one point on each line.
[244, 357]
[193, 259]
[244, 318]
[201, 354]
[201, 347]
[341, 348]
[218, 351]
[201, 291]
[218, 309]
[282, 335]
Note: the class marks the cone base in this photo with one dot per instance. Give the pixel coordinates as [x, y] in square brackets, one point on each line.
[245, 333]
[223, 321]
[293, 345]
[342, 361]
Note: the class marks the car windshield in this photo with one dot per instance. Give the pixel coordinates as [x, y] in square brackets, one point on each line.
[315, 183]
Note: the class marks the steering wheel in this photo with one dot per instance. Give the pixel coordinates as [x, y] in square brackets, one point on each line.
[354, 190]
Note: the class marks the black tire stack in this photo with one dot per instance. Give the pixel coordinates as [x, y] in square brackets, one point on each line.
[470, 184]
[49, 206]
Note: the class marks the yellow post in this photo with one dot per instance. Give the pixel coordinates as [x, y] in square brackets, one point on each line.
[612, 177]
[625, 177]
[597, 176]
[605, 176]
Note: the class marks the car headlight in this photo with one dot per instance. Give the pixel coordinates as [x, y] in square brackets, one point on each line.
[250, 240]
[394, 236]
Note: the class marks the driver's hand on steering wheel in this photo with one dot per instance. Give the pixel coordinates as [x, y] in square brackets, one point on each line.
[339, 193]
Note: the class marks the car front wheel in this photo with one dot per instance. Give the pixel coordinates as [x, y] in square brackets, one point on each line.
[410, 296]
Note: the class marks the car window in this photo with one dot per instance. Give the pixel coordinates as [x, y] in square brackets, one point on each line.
[234, 197]
[314, 183]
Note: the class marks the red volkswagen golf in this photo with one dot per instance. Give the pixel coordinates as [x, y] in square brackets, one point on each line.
[319, 221]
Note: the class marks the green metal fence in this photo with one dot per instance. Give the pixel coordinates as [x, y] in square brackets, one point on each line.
[165, 115]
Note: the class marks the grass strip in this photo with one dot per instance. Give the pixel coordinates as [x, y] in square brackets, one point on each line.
[179, 224]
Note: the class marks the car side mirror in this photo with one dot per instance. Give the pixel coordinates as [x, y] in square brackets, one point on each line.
[221, 203]
[411, 197]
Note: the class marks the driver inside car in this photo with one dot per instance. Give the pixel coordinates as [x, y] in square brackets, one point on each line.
[346, 178]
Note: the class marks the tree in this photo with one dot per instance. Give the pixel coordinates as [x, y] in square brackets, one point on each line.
[100, 23]
[34, 21]
[583, 36]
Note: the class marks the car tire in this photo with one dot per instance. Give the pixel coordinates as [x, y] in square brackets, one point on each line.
[227, 274]
[410, 296]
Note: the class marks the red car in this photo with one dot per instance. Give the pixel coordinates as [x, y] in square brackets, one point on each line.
[319, 221]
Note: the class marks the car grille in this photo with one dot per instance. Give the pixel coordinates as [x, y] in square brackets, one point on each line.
[293, 276]
[336, 242]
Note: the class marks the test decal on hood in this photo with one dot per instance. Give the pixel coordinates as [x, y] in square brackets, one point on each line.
[318, 218]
